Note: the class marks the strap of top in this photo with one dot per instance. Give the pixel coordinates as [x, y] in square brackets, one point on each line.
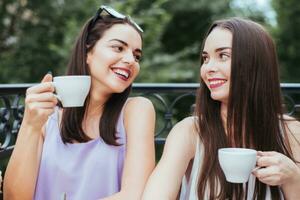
[189, 188]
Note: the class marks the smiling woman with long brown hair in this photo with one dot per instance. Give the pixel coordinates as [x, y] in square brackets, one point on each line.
[103, 150]
[239, 104]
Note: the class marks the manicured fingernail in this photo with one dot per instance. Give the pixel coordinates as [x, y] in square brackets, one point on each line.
[49, 72]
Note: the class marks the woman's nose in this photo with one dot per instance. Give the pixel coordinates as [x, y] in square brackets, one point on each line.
[211, 66]
[128, 57]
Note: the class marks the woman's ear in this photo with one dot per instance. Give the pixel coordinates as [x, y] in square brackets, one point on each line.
[89, 54]
[89, 57]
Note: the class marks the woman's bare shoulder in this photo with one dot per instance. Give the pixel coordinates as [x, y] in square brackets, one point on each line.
[190, 125]
[293, 125]
[138, 101]
[184, 134]
[293, 132]
[138, 104]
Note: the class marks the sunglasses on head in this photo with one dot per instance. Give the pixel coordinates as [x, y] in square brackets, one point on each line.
[106, 11]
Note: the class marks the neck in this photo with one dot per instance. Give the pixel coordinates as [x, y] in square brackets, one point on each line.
[93, 114]
[96, 103]
[224, 112]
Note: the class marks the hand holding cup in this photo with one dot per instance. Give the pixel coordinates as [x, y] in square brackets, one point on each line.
[39, 103]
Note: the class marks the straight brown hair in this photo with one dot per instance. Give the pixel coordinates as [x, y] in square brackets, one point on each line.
[255, 114]
[71, 124]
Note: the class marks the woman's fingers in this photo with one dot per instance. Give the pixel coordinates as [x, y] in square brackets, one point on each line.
[40, 88]
[268, 160]
[41, 106]
[47, 78]
[271, 180]
[265, 172]
[274, 168]
[42, 97]
[267, 153]
[46, 85]
[40, 103]
[272, 175]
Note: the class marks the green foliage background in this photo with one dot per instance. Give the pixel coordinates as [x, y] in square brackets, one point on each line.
[287, 34]
[36, 36]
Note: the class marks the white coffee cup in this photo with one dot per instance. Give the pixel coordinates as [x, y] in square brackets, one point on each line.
[72, 90]
[237, 163]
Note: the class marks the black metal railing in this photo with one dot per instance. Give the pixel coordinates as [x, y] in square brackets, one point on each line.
[172, 103]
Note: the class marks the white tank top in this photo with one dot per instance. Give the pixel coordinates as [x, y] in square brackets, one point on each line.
[189, 188]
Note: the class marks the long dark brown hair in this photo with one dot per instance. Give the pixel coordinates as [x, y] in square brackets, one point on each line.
[71, 124]
[254, 113]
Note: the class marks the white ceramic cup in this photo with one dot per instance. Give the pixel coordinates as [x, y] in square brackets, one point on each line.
[237, 163]
[72, 90]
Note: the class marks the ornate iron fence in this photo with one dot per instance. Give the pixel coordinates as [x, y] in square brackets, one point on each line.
[172, 102]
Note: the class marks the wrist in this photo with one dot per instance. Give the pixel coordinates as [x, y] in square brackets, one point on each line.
[31, 128]
[291, 188]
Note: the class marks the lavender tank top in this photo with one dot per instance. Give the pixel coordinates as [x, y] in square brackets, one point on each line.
[81, 171]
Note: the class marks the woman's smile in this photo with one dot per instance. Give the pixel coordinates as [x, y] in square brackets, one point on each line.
[216, 82]
[122, 73]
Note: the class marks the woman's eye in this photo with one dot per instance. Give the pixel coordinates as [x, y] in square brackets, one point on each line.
[137, 58]
[205, 59]
[118, 48]
[224, 56]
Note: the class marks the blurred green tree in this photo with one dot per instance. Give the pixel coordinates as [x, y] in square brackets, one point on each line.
[36, 36]
[176, 51]
[288, 38]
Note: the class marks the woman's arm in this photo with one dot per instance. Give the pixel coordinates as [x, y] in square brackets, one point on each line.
[21, 172]
[139, 120]
[291, 189]
[165, 181]
[22, 169]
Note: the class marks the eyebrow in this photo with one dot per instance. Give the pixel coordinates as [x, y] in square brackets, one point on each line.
[218, 49]
[125, 44]
[222, 48]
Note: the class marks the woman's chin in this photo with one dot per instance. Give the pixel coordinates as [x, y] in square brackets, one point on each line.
[219, 97]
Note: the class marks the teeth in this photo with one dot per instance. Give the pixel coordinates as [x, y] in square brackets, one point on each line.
[217, 82]
[122, 72]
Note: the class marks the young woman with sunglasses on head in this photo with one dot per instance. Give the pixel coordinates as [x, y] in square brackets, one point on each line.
[238, 105]
[104, 150]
